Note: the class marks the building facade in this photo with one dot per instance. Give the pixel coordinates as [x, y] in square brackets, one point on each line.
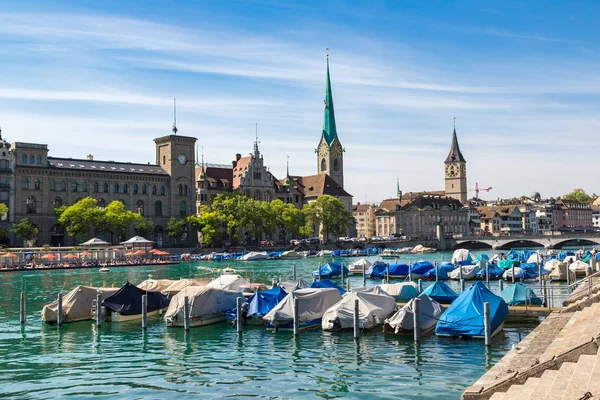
[501, 220]
[364, 214]
[529, 222]
[571, 215]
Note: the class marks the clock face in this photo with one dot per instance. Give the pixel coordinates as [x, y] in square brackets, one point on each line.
[182, 159]
[323, 149]
[451, 170]
[336, 149]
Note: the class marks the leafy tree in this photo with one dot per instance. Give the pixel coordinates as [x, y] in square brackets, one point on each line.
[176, 228]
[3, 209]
[287, 218]
[116, 220]
[578, 195]
[329, 213]
[79, 217]
[233, 211]
[144, 227]
[208, 224]
[4, 232]
[25, 229]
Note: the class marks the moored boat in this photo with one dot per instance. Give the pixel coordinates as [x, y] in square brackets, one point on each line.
[126, 303]
[402, 322]
[374, 308]
[207, 306]
[356, 268]
[519, 294]
[441, 293]
[77, 304]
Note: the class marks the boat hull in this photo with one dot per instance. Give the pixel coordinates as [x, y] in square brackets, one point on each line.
[118, 317]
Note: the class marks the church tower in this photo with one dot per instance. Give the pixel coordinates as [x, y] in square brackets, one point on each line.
[456, 172]
[330, 153]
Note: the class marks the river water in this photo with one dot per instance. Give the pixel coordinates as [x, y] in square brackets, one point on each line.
[119, 359]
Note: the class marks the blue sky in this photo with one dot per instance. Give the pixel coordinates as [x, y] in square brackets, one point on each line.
[521, 78]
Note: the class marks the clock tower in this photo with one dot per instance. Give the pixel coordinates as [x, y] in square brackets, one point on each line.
[455, 169]
[330, 153]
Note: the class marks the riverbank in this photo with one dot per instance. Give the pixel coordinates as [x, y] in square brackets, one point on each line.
[90, 266]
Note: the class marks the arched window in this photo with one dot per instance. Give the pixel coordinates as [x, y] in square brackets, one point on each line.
[144, 189]
[125, 188]
[267, 196]
[32, 159]
[105, 187]
[116, 188]
[58, 202]
[139, 208]
[135, 188]
[185, 190]
[24, 158]
[336, 165]
[101, 203]
[84, 187]
[96, 187]
[257, 195]
[162, 190]
[31, 205]
[180, 190]
[52, 185]
[63, 186]
[39, 160]
[74, 187]
[26, 184]
[164, 160]
[158, 208]
[182, 208]
[323, 165]
[37, 185]
[153, 189]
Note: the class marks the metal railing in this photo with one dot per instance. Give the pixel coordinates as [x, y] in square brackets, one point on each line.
[553, 295]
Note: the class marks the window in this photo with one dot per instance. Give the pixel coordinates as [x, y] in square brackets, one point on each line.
[63, 186]
[182, 208]
[323, 165]
[153, 189]
[116, 188]
[185, 190]
[162, 190]
[140, 207]
[125, 188]
[144, 189]
[39, 160]
[37, 184]
[84, 187]
[164, 160]
[31, 205]
[74, 187]
[32, 159]
[3, 164]
[105, 188]
[24, 158]
[336, 165]
[135, 188]
[26, 184]
[180, 190]
[96, 187]
[158, 208]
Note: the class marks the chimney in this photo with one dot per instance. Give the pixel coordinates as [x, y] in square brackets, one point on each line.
[90, 157]
[238, 156]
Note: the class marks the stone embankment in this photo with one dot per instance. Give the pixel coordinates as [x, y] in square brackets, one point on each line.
[559, 359]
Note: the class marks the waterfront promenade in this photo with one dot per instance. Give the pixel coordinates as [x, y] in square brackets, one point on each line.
[560, 359]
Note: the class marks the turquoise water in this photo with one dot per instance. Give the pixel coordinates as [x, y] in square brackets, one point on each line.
[119, 359]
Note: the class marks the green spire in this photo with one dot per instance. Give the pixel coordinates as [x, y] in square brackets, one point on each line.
[329, 130]
[398, 191]
[288, 180]
[202, 172]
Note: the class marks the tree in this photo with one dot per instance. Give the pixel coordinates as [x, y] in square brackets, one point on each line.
[25, 229]
[79, 217]
[3, 209]
[4, 232]
[208, 224]
[578, 195]
[329, 213]
[287, 218]
[144, 227]
[116, 220]
[176, 228]
[233, 211]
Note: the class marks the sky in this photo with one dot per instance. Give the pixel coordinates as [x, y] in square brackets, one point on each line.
[521, 78]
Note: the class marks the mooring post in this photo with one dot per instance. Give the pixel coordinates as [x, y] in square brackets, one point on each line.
[238, 318]
[513, 273]
[98, 310]
[387, 274]
[296, 318]
[540, 275]
[144, 311]
[460, 272]
[364, 275]
[356, 330]
[487, 273]
[568, 278]
[186, 313]
[294, 270]
[342, 273]
[22, 312]
[501, 284]
[462, 286]
[437, 271]
[486, 322]
[410, 272]
[543, 293]
[420, 285]
[348, 284]
[417, 329]
[59, 312]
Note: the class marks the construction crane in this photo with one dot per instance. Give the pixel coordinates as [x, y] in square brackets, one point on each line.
[477, 189]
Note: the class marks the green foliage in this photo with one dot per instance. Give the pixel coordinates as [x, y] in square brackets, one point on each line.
[25, 229]
[287, 218]
[3, 209]
[176, 228]
[144, 227]
[329, 213]
[231, 210]
[208, 224]
[46, 247]
[116, 220]
[579, 195]
[79, 217]
[4, 232]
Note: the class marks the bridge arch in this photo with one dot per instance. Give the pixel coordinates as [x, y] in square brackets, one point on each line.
[510, 244]
[575, 242]
[473, 244]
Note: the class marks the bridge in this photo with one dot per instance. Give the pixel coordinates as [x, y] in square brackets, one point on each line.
[509, 242]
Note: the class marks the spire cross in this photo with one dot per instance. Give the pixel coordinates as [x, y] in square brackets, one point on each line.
[454, 122]
[327, 52]
[175, 116]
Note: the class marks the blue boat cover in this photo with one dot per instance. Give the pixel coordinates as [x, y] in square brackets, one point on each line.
[464, 317]
[399, 269]
[530, 271]
[327, 284]
[441, 293]
[420, 267]
[480, 257]
[260, 303]
[443, 269]
[330, 270]
[494, 271]
[128, 300]
[377, 270]
[519, 294]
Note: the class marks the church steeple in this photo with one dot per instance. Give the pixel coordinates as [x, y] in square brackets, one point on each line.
[329, 129]
[455, 155]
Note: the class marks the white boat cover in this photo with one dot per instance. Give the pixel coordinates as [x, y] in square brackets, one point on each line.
[373, 309]
[468, 271]
[535, 258]
[179, 285]
[228, 282]
[579, 267]
[553, 264]
[290, 286]
[422, 249]
[312, 304]
[156, 285]
[429, 313]
[357, 266]
[77, 304]
[255, 255]
[461, 255]
[509, 272]
[290, 254]
[204, 303]
[400, 291]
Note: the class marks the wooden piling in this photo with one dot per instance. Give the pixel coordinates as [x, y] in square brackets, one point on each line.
[22, 311]
[364, 275]
[238, 318]
[417, 329]
[294, 270]
[186, 313]
[348, 285]
[98, 310]
[356, 330]
[487, 325]
[144, 311]
[296, 318]
[59, 312]
[437, 272]
[513, 273]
